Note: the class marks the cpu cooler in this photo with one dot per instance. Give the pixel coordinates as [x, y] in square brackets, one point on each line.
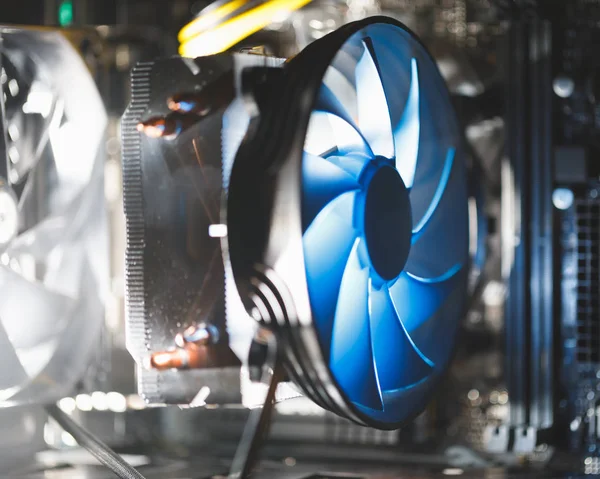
[343, 224]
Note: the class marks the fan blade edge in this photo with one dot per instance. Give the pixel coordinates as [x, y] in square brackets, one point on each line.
[373, 113]
[418, 299]
[398, 361]
[322, 182]
[407, 132]
[327, 243]
[437, 197]
[351, 358]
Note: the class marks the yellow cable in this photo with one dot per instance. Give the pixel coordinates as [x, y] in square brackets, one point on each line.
[226, 35]
[201, 23]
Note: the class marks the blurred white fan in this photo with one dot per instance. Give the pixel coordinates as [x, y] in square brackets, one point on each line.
[53, 244]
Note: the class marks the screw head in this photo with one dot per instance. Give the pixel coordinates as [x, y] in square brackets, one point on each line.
[563, 86]
[563, 198]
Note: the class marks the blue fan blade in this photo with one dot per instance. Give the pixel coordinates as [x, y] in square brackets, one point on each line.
[373, 114]
[437, 197]
[322, 181]
[435, 144]
[398, 361]
[327, 244]
[328, 102]
[441, 238]
[407, 131]
[345, 64]
[417, 299]
[353, 164]
[328, 133]
[435, 337]
[351, 358]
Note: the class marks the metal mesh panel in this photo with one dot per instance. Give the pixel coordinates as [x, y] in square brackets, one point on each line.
[588, 279]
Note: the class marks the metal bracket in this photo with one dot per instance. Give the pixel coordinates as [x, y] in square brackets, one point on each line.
[259, 421]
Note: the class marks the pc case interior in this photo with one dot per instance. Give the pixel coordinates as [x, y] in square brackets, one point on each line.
[518, 399]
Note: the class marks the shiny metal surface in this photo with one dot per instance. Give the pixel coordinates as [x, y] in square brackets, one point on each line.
[173, 186]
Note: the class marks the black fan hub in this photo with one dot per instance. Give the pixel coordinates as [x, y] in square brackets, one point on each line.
[387, 222]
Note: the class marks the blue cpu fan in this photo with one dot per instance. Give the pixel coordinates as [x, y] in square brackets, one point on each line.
[356, 250]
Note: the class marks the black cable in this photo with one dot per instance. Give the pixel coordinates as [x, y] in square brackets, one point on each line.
[94, 445]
